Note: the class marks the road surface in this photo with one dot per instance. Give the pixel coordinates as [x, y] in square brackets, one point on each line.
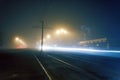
[34, 65]
[20, 65]
[80, 66]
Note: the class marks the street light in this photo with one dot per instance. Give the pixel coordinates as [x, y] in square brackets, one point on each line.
[58, 32]
[48, 36]
[61, 31]
[16, 38]
[42, 34]
[20, 41]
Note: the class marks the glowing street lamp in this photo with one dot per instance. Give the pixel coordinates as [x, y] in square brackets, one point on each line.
[61, 31]
[48, 36]
[17, 39]
[58, 32]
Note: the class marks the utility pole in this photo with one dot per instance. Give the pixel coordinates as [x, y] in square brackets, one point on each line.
[42, 34]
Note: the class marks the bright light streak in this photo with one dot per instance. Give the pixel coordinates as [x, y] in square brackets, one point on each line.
[47, 48]
[20, 42]
[23, 43]
[109, 53]
[44, 48]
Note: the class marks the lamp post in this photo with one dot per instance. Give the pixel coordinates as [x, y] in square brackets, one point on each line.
[42, 29]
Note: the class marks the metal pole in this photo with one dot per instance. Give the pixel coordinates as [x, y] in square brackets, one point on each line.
[42, 22]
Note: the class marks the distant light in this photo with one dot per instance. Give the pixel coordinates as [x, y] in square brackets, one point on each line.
[17, 38]
[48, 36]
[61, 31]
[58, 32]
[20, 42]
[44, 48]
[21, 46]
[65, 32]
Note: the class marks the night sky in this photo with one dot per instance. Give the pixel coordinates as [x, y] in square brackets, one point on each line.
[100, 17]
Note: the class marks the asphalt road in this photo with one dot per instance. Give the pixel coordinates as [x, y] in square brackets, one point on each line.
[80, 66]
[20, 65]
[34, 65]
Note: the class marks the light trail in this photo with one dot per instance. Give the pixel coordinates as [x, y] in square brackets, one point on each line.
[47, 48]
[109, 53]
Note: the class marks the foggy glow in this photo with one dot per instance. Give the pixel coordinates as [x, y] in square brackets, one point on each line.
[20, 42]
[21, 46]
[16, 38]
[58, 32]
[48, 36]
[44, 39]
[61, 31]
